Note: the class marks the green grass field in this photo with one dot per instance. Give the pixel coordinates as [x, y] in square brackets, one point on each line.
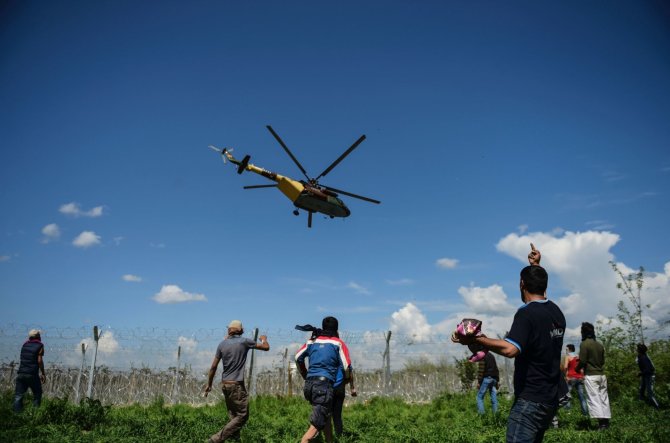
[449, 418]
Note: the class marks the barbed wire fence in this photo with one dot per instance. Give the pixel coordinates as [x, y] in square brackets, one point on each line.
[141, 365]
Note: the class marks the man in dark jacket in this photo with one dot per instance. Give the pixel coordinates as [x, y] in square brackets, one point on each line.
[31, 371]
[647, 371]
[487, 380]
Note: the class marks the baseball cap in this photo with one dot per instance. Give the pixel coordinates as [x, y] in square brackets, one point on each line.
[235, 324]
[33, 333]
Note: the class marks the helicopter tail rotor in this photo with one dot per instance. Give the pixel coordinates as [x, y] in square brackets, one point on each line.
[223, 152]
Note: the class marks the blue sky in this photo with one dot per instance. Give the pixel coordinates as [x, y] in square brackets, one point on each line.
[488, 124]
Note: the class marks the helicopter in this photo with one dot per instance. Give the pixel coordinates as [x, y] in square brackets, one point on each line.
[308, 195]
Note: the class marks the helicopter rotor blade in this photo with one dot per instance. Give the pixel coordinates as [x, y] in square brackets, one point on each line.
[288, 151]
[214, 148]
[347, 152]
[259, 186]
[309, 219]
[339, 191]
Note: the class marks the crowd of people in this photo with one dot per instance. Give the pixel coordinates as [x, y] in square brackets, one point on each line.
[542, 379]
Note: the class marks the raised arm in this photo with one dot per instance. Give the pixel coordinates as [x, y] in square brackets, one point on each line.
[263, 345]
[534, 256]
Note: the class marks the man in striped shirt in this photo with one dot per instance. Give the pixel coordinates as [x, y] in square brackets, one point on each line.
[325, 353]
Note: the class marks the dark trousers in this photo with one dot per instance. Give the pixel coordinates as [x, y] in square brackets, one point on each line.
[237, 402]
[647, 390]
[338, 404]
[23, 382]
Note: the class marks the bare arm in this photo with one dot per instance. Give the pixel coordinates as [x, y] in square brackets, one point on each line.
[40, 363]
[212, 373]
[500, 347]
[263, 345]
[352, 388]
[534, 256]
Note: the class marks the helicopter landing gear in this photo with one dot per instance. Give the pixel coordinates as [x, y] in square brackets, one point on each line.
[295, 212]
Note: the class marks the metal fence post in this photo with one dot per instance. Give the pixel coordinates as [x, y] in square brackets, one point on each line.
[387, 364]
[96, 337]
[285, 368]
[81, 371]
[175, 386]
[252, 385]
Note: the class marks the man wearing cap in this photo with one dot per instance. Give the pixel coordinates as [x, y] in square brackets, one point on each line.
[326, 354]
[31, 371]
[232, 351]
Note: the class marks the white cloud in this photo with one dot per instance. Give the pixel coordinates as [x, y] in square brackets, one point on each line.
[188, 345]
[86, 239]
[73, 210]
[489, 300]
[578, 266]
[131, 277]
[174, 294]
[50, 232]
[358, 288]
[117, 240]
[578, 262]
[4, 258]
[410, 321]
[106, 343]
[446, 263]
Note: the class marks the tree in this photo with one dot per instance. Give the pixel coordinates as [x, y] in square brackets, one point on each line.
[631, 285]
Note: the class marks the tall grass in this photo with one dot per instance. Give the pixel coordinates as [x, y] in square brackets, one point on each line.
[449, 418]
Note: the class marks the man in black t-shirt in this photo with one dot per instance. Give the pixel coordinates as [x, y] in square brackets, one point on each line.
[535, 341]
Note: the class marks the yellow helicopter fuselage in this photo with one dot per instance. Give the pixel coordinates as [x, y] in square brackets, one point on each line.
[305, 196]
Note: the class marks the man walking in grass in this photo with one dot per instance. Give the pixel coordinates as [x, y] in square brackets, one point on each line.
[592, 361]
[535, 341]
[31, 371]
[232, 352]
[326, 353]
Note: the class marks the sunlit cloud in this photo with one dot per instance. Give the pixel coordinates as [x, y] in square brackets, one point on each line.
[106, 343]
[86, 239]
[358, 288]
[490, 300]
[446, 263]
[131, 278]
[50, 232]
[73, 210]
[188, 345]
[174, 294]
[410, 321]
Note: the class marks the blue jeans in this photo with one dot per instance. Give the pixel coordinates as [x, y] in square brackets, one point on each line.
[488, 383]
[578, 384]
[23, 382]
[528, 420]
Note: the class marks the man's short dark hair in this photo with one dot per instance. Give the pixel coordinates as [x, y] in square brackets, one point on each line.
[571, 347]
[588, 328]
[641, 348]
[535, 279]
[330, 324]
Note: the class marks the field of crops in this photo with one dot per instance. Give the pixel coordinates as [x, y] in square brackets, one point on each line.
[449, 418]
